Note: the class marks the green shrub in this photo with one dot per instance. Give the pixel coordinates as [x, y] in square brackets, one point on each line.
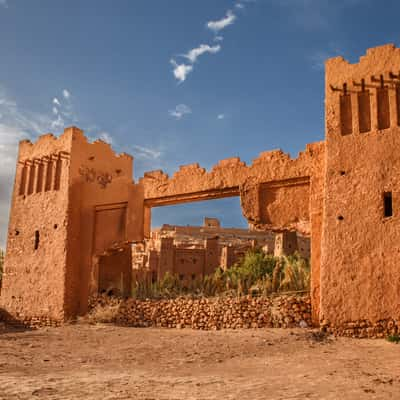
[394, 338]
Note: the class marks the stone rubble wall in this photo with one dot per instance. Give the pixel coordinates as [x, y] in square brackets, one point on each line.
[213, 313]
[18, 320]
[364, 328]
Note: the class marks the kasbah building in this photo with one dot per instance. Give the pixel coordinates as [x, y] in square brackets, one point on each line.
[76, 211]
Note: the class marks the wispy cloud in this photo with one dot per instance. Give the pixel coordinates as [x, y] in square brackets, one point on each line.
[195, 53]
[181, 71]
[180, 111]
[3, 3]
[63, 110]
[222, 23]
[146, 153]
[220, 116]
[105, 137]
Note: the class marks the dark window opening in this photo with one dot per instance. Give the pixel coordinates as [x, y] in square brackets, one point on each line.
[39, 182]
[398, 103]
[346, 119]
[31, 180]
[181, 277]
[16, 232]
[383, 108]
[37, 240]
[342, 173]
[388, 204]
[364, 111]
[24, 174]
[193, 277]
[49, 175]
[57, 177]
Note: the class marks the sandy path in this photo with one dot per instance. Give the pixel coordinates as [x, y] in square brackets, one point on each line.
[108, 362]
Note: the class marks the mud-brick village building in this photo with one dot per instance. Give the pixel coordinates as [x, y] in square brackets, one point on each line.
[194, 251]
[76, 210]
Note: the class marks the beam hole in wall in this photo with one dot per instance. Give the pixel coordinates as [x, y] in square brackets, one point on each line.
[387, 204]
[340, 218]
[37, 240]
[16, 232]
[342, 173]
[55, 226]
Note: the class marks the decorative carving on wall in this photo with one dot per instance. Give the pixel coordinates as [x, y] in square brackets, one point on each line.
[103, 179]
[88, 173]
[91, 176]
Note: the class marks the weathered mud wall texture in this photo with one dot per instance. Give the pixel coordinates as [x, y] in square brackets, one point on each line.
[360, 277]
[69, 213]
[36, 259]
[210, 313]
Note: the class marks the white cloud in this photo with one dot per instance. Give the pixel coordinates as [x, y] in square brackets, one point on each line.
[220, 116]
[56, 101]
[181, 70]
[66, 94]
[145, 152]
[193, 54]
[239, 5]
[218, 38]
[106, 137]
[180, 111]
[58, 123]
[55, 110]
[222, 23]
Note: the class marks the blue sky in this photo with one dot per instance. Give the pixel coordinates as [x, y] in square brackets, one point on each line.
[178, 81]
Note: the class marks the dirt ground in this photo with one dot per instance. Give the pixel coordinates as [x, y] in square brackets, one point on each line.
[108, 362]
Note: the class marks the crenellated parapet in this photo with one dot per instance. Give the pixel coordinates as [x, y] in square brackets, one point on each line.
[273, 179]
[363, 97]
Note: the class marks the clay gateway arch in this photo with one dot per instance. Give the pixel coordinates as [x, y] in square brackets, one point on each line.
[75, 208]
